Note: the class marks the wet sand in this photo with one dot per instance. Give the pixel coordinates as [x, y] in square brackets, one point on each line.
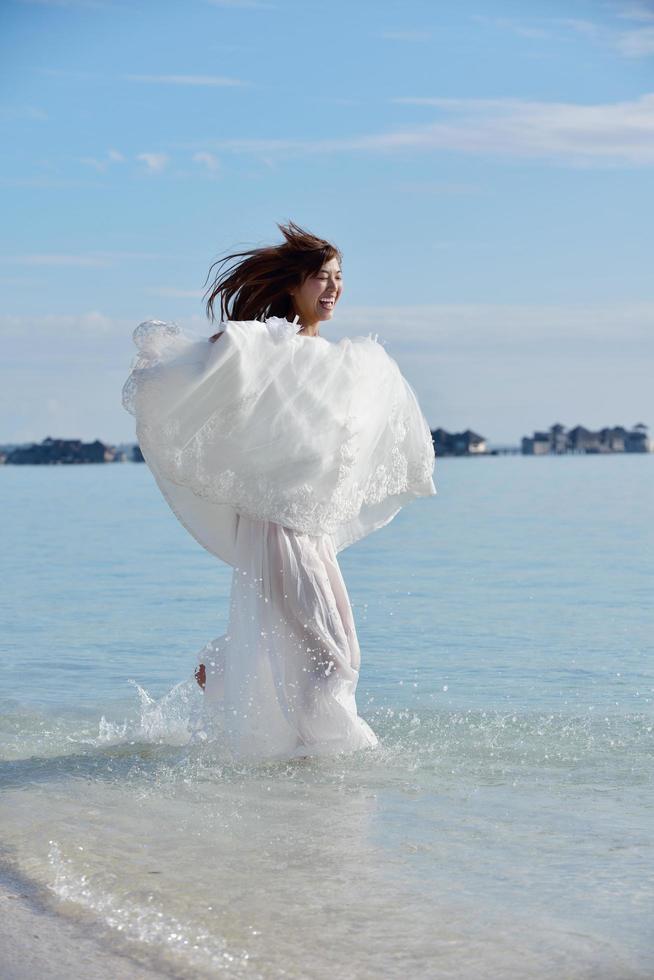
[35, 942]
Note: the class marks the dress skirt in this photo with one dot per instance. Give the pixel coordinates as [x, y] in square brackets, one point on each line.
[282, 680]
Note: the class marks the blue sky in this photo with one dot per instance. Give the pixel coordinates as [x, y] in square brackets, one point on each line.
[485, 167]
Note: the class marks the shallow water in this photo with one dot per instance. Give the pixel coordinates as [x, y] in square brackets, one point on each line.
[503, 827]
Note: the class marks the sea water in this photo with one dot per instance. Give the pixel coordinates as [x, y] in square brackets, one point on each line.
[503, 828]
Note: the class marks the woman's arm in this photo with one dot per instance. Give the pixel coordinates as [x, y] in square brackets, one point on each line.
[216, 336]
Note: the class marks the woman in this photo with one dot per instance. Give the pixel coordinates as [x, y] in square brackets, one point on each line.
[276, 449]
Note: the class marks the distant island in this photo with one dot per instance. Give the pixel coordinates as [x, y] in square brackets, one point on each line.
[58, 452]
[466, 443]
[614, 439]
[52, 452]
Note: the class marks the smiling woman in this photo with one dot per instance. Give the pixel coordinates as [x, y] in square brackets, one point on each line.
[276, 449]
[316, 298]
[300, 278]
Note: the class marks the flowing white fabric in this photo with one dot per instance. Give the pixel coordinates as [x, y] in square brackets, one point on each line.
[316, 436]
[276, 451]
[283, 678]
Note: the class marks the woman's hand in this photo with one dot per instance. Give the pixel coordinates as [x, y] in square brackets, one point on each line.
[201, 675]
[216, 336]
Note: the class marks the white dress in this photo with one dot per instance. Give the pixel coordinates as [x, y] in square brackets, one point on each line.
[276, 451]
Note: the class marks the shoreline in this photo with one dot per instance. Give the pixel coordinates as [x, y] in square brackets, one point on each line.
[37, 942]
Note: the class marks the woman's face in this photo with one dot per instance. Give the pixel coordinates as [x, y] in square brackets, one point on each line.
[316, 298]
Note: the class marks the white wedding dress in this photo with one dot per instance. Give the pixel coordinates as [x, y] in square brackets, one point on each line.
[276, 451]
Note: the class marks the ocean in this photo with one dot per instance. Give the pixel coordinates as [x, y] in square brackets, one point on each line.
[503, 828]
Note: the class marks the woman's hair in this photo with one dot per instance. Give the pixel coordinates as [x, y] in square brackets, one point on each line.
[255, 285]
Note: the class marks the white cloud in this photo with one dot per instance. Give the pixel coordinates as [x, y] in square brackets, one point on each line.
[193, 80]
[588, 28]
[208, 160]
[637, 43]
[520, 28]
[102, 165]
[569, 133]
[619, 132]
[154, 162]
[633, 11]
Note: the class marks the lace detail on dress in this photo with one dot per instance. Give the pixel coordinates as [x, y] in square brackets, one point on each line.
[299, 507]
[155, 340]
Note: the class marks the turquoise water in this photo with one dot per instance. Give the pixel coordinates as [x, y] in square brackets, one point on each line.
[503, 828]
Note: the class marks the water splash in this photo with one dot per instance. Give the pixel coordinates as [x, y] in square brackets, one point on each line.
[166, 719]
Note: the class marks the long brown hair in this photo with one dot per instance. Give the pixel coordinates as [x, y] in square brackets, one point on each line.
[256, 283]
